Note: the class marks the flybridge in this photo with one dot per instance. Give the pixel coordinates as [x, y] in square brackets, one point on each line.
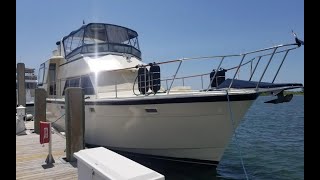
[101, 38]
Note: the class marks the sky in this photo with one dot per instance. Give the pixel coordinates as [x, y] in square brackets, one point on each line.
[169, 29]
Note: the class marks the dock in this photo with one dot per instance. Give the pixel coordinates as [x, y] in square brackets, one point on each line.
[31, 156]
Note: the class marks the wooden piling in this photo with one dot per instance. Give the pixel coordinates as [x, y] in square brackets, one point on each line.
[75, 121]
[39, 108]
[21, 84]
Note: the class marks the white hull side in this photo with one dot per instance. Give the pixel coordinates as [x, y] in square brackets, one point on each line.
[198, 130]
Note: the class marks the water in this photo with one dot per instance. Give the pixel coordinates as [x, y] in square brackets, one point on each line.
[271, 140]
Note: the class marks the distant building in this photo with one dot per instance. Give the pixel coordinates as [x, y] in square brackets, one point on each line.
[30, 85]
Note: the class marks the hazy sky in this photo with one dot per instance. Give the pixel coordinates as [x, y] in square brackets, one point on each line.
[167, 29]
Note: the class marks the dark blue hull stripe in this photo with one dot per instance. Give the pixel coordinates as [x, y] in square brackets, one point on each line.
[193, 99]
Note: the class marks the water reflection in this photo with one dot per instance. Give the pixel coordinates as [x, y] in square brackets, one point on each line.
[173, 170]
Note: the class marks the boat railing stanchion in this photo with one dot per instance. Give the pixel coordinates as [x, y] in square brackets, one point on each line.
[251, 66]
[167, 84]
[201, 81]
[265, 69]
[215, 74]
[145, 80]
[150, 79]
[255, 67]
[280, 65]
[174, 77]
[234, 76]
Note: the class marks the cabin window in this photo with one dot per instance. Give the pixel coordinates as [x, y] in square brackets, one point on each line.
[73, 42]
[116, 34]
[75, 82]
[85, 84]
[41, 74]
[77, 40]
[52, 76]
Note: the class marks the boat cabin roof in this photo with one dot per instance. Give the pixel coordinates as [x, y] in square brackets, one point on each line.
[104, 32]
[108, 37]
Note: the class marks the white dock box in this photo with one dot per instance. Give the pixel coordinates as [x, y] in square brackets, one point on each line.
[101, 163]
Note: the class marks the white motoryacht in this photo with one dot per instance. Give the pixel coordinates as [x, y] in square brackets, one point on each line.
[136, 107]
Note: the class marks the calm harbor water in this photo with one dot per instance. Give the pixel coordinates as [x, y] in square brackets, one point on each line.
[271, 140]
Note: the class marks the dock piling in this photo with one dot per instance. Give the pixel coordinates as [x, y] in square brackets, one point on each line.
[21, 84]
[75, 121]
[39, 108]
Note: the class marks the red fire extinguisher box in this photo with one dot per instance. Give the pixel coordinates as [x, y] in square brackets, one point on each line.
[44, 132]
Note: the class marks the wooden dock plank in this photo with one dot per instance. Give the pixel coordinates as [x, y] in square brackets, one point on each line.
[31, 156]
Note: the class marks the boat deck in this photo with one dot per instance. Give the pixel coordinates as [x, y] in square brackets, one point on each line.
[31, 156]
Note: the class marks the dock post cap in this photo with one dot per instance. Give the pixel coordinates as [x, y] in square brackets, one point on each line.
[21, 107]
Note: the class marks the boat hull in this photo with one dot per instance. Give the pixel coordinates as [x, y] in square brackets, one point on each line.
[198, 131]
